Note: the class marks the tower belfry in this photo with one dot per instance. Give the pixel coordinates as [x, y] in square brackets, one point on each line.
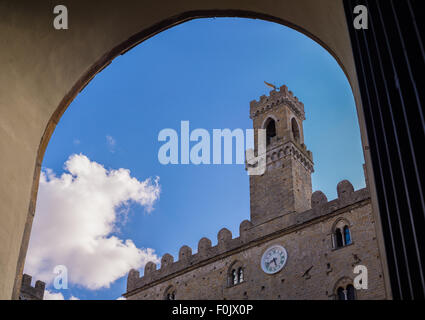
[285, 186]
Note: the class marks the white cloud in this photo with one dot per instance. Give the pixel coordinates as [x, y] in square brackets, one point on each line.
[48, 295]
[75, 216]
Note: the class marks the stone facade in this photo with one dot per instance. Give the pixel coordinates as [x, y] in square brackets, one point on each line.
[29, 292]
[324, 240]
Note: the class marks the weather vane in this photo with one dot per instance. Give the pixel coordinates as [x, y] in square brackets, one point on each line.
[270, 85]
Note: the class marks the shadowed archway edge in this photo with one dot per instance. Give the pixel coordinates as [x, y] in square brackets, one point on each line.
[103, 62]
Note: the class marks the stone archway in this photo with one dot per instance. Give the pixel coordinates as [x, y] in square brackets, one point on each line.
[45, 69]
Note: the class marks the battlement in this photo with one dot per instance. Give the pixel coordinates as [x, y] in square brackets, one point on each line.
[29, 292]
[248, 235]
[275, 100]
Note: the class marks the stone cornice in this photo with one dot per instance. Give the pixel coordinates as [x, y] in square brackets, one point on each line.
[277, 150]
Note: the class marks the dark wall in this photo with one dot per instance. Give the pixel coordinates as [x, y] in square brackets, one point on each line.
[390, 63]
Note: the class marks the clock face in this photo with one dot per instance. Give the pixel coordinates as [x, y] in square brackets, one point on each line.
[274, 259]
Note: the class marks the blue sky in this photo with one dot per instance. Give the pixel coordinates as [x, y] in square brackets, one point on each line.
[205, 71]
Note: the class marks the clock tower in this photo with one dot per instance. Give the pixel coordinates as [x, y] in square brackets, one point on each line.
[285, 186]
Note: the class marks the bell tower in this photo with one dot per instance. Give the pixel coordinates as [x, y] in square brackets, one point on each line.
[285, 186]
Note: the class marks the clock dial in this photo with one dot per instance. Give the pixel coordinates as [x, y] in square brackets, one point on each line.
[274, 259]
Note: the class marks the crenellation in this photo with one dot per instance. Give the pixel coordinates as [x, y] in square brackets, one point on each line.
[277, 99]
[29, 292]
[150, 268]
[166, 260]
[224, 236]
[244, 230]
[204, 245]
[344, 189]
[26, 280]
[132, 279]
[318, 198]
[185, 253]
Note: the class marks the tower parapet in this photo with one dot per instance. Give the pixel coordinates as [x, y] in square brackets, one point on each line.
[276, 99]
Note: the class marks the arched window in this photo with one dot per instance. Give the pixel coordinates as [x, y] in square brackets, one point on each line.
[295, 130]
[351, 295]
[340, 293]
[338, 238]
[234, 277]
[344, 289]
[346, 294]
[270, 127]
[347, 236]
[341, 235]
[240, 275]
[235, 274]
[170, 293]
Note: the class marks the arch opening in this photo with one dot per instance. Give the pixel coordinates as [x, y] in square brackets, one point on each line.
[271, 129]
[295, 130]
